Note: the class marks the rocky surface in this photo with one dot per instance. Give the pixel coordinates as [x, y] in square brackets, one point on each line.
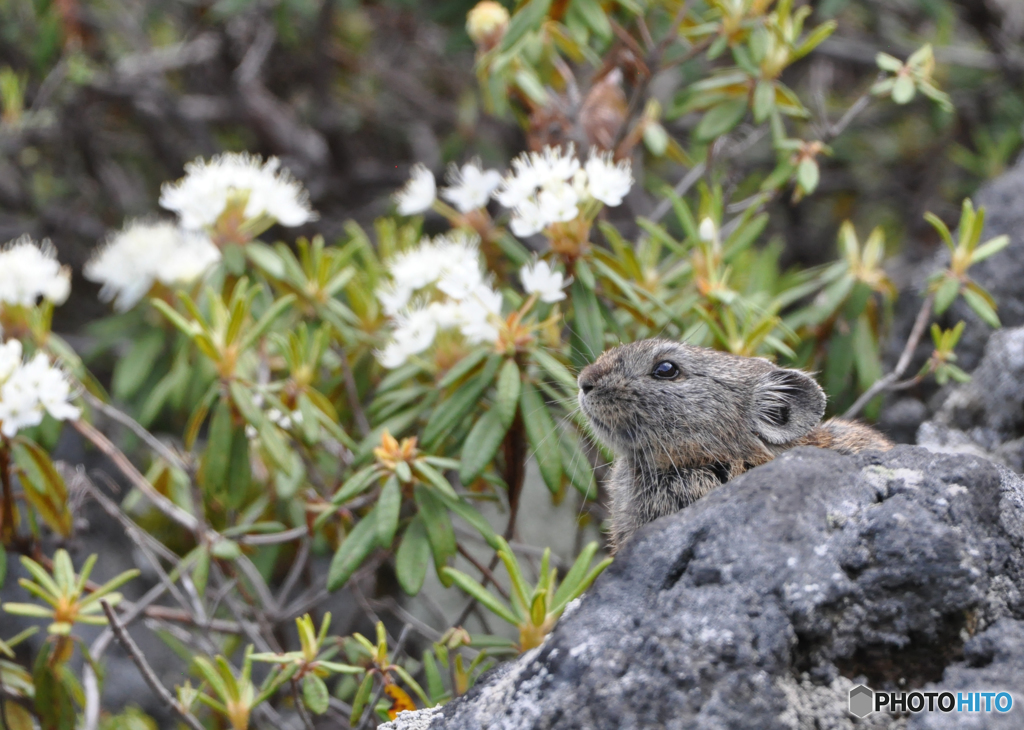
[985, 416]
[761, 605]
[1002, 275]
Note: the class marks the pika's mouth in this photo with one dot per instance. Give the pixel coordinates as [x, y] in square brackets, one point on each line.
[609, 434]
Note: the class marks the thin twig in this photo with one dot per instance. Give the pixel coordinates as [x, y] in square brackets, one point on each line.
[352, 393]
[162, 503]
[923, 317]
[300, 708]
[482, 568]
[138, 429]
[148, 674]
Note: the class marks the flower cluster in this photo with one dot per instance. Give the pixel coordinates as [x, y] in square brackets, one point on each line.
[544, 187]
[438, 285]
[28, 389]
[549, 187]
[143, 254]
[469, 188]
[210, 187]
[30, 271]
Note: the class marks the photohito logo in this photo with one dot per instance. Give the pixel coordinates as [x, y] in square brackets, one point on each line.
[864, 701]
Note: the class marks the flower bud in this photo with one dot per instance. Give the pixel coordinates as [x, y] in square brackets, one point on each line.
[708, 231]
[486, 24]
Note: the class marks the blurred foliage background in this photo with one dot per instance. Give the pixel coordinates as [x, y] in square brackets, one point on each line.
[320, 426]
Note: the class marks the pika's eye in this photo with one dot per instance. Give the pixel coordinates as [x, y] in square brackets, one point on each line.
[665, 370]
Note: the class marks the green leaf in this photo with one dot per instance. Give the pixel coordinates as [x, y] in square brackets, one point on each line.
[226, 550]
[201, 571]
[528, 18]
[265, 258]
[595, 18]
[361, 698]
[981, 307]
[438, 524]
[572, 579]
[989, 248]
[217, 456]
[808, 174]
[481, 445]
[276, 310]
[389, 505]
[352, 552]
[487, 599]
[550, 365]
[463, 367]
[888, 63]
[434, 684]
[356, 484]
[434, 478]
[903, 89]
[43, 486]
[946, 294]
[508, 386]
[865, 353]
[655, 138]
[450, 412]
[3, 565]
[315, 696]
[720, 119]
[54, 691]
[135, 368]
[764, 100]
[587, 324]
[413, 557]
[542, 435]
[468, 513]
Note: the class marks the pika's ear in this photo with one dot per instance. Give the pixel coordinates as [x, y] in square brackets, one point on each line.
[787, 404]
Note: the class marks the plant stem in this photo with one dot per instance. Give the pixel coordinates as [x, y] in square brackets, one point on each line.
[515, 448]
[148, 675]
[923, 317]
[7, 514]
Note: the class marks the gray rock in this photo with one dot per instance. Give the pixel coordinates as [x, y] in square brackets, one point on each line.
[986, 415]
[762, 604]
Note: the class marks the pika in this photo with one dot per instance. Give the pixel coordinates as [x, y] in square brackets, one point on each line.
[683, 420]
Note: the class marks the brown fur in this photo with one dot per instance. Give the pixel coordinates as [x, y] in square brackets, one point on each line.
[677, 439]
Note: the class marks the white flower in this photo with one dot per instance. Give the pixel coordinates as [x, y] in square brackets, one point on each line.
[30, 271]
[416, 331]
[145, 253]
[427, 263]
[478, 314]
[392, 356]
[393, 298]
[555, 166]
[461, 278]
[557, 203]
[29, 390]
[519, 185]
[201, 196]
[607, 181]
[708, 231]
[527, 219]
[471, 187]
[419, 193]
[10, 358]
[539, 279]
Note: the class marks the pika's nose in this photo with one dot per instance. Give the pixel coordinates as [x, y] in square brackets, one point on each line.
[588, 379]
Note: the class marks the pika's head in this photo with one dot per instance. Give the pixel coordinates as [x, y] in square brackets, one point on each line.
[676, 403]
